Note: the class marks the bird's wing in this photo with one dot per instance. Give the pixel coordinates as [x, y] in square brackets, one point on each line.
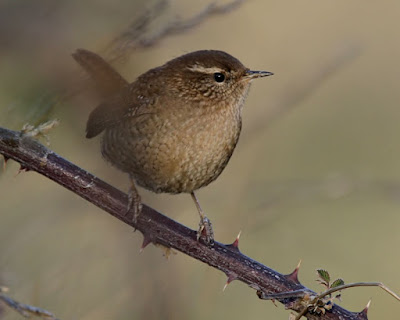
[105, 115]
[118, 108]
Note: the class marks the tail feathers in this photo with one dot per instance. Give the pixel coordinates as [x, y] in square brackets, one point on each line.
[110, 85]
[107, 79]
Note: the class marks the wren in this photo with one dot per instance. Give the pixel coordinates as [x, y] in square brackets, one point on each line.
[175, 128]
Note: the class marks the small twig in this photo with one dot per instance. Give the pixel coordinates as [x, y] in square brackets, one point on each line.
[346, 286]
[283, 295]
[25, 310]
[359, 284]
[41, 130]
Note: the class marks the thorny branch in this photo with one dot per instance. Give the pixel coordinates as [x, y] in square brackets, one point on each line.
[159, 229]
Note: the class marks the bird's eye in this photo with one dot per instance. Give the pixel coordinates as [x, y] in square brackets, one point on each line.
[219, 77]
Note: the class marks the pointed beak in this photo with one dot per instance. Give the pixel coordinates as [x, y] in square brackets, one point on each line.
[257, 74]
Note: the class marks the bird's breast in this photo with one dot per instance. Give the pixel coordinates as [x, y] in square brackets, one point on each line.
[175, 150]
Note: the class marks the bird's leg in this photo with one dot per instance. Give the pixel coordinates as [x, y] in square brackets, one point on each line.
[134, 201]
[205, 223]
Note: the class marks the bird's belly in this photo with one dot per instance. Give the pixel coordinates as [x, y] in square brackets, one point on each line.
[171, 160]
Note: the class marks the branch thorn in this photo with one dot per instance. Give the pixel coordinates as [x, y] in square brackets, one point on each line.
[231, 277]
[235, 244]
[294, 275]
[365, 310]
[22, 168]
[145, 243]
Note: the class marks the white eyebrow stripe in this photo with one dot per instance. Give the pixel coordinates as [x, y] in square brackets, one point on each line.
[197, 68]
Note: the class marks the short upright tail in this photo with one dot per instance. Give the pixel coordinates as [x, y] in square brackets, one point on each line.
[109, 83]
[107, 79]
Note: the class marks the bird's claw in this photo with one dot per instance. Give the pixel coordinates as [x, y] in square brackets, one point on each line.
[205, 231]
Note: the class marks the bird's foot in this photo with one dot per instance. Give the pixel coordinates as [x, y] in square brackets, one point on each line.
[205, 231]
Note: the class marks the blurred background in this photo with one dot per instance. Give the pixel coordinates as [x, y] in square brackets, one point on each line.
[315, 176]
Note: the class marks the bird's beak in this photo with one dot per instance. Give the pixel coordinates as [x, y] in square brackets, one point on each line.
[257, 74]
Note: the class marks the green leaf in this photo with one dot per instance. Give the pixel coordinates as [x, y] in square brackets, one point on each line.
[324, 275]
[337, 283]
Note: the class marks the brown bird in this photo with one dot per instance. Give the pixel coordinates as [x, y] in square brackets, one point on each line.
[174, 129]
